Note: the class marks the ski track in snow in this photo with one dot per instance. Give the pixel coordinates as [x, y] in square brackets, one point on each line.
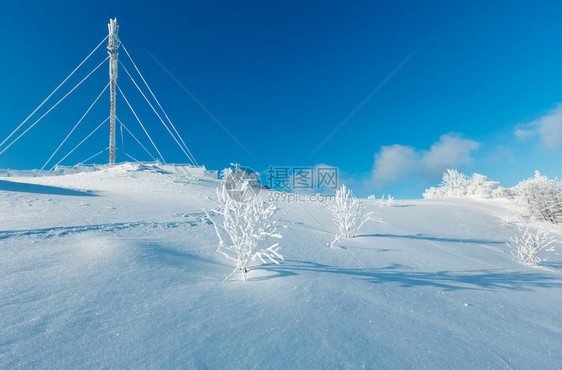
[51, 232]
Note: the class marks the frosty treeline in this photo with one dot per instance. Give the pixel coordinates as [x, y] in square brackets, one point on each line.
[457, 184]
[539, 197]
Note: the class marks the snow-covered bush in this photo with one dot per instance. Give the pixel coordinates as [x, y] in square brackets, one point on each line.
[541, 197]
[527, 246]
[348, 213]
[244, 226]
[457, 184]
[479, 186]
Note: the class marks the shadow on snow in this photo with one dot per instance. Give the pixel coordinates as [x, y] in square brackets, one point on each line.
[432, 238]
[21, 187]
[165, 255]
[402, 275]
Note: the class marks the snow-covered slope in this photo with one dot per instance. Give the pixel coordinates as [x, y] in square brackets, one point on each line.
[117, 268]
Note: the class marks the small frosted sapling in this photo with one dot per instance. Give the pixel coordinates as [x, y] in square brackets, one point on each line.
[348, 213]
[244, 227]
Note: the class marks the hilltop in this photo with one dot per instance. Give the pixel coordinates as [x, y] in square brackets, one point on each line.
[117, 268]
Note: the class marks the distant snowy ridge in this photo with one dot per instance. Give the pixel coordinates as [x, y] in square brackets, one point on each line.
[187, 169]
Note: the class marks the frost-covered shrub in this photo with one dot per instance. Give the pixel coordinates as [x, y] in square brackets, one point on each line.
[348, 213]
[541, 197]
[457, 184]
[243, 228]
[527, 246]
[434, 192]
[389, 202]
[478, 185]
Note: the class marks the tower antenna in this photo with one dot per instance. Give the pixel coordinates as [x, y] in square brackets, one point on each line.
[112, 46]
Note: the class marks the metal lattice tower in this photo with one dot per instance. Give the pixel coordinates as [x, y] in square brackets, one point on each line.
[112, 46]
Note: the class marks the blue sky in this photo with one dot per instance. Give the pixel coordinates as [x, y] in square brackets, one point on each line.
[478, 93]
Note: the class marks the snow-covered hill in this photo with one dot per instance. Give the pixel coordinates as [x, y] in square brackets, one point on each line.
[117, 268]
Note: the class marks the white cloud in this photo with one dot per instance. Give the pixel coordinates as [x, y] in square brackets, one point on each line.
[395, 161]
[522, 133]
[548, 127]
[448, 152]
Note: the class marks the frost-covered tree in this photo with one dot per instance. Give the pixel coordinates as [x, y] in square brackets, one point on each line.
[527, 246]
[225, 173]
[348, 213]
[452, 184]
[454, 180]
[541, 197]
[244, 227]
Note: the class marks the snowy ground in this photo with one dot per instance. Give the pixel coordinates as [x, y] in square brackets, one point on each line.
[117, 269]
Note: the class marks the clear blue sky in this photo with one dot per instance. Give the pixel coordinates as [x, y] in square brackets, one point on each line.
[281, 76]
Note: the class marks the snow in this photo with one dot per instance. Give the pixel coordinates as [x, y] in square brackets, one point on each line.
[118, 268]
